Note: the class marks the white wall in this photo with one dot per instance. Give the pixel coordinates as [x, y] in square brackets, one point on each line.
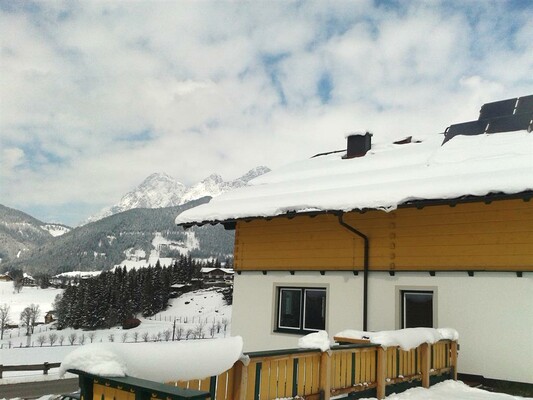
[493, 313]
[253, 313]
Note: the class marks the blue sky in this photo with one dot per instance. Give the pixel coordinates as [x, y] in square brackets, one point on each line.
[96, 96]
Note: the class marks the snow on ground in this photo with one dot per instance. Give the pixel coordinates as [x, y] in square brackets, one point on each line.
[448, 390]
[44, 298]
[199, 313]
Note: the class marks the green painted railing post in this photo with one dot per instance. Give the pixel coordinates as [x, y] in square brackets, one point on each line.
[295, 377]
[258, 367]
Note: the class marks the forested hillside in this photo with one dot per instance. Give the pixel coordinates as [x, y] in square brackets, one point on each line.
[102, 244]
[20, 233]
[114, 297]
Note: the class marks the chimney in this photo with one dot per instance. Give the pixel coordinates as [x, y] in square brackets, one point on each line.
[358, 144]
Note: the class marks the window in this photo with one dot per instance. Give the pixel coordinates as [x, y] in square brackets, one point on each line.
[301, 310]
[417, 308]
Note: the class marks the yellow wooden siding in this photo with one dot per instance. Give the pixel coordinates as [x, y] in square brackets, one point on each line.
[102, 392]
[471, 236]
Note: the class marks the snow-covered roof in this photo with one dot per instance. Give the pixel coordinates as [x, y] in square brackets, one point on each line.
[388, 176]
[206, 270]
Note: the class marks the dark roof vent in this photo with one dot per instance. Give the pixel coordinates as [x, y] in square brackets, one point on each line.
[358, 144]
[500, 116]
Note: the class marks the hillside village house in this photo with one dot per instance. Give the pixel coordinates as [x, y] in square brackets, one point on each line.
[216, 274]
[436, 232]
[28, 280]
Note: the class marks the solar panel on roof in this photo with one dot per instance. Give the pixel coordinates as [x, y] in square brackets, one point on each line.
[465, 128]
[497, 109]
[510, 123]
[525, 105]
[500, 116]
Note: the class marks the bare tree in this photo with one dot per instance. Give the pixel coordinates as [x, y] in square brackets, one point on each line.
[179, 332]
[135, 336]
[145, 336]
[225, 323]
[199, 330]
[111, 337]
[41, 339]
[61, 340]
[188, 334]
[4, 319]
[91, 335]
[212, 329]
[167, 334]
[81, 339]
[124, 337]
[28, 317]
[52, 338]
[72, 338]
[219, 326]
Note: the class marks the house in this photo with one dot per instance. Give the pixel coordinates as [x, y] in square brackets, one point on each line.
[432, 231]
[50, 317]
[28, 280]
[216, 274]
[5, 278]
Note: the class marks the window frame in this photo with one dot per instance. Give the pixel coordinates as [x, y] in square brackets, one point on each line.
[403, 311]
[301, 329]
[400, 289]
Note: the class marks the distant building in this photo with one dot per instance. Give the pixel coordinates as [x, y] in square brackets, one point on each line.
[5, 278]
[28, 280]
[50, 317]
[217, 274]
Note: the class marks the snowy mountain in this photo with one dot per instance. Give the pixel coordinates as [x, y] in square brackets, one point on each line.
[161, 190]
[143, 234]
[157, 191]
[21, 233]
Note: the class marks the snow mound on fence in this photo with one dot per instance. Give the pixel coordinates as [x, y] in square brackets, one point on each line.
[315, 340]
[406, 339]
[160, 362]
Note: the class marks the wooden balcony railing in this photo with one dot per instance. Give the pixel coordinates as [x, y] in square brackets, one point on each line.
[347, 368]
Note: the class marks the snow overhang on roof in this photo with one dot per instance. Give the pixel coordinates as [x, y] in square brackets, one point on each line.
[387, 177]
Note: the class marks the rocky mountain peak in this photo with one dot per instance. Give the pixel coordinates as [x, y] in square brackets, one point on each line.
[162, 190]
[254, 173]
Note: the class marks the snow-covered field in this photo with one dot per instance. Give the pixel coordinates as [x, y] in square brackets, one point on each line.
[200, 313]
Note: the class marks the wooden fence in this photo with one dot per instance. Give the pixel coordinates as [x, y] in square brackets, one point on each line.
[347, 368]
[45, 367]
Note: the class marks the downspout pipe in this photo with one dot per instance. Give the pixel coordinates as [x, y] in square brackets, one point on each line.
[365, 267]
